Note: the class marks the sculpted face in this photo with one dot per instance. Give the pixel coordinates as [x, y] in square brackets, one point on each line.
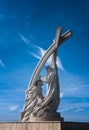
[48, 68]
[39, 83]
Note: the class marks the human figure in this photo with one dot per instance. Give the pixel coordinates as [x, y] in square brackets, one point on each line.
[34, 98]
[51, 100]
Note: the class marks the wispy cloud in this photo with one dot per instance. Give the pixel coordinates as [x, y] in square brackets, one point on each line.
[61, 94]
[78, 110]
[13, 107]
[69, 108]
[36, 56]
[73, 85]
[85, 85]
[66, 109]
[74, 89]
[4, 17]
[41, 52]
[23, 38]
[2, 64]
[76, 106]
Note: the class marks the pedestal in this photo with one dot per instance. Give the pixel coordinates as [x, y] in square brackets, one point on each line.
[45, 125]
[48, 117]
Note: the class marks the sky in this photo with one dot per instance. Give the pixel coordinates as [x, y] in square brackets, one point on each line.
[27, 29]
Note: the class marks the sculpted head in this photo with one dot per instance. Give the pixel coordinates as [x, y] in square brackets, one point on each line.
[39, 83]
[49, 69]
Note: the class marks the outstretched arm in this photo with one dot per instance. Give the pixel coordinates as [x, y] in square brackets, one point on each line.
[44, 79]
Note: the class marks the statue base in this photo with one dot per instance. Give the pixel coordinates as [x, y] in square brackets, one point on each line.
[48, 117]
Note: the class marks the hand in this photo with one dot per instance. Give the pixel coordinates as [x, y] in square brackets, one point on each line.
[39, 77]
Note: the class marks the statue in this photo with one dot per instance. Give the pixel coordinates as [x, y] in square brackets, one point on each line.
[38, 107]
[34, 97]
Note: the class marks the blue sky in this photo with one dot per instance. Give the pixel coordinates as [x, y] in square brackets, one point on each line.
[27, 28]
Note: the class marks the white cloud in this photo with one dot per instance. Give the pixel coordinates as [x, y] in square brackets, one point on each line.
[4, 17]
[76, 106]
[66, 109]
[66, 106]
[36, 56]
[85, 85]
[73, 89]
[59, 64]
[24, 39]
[41, 52]
[61, 94]
[13, 107]
[73, 85]
[2, 64]
[79, 109]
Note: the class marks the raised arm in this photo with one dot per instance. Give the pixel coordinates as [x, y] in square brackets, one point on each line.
[44, 79]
